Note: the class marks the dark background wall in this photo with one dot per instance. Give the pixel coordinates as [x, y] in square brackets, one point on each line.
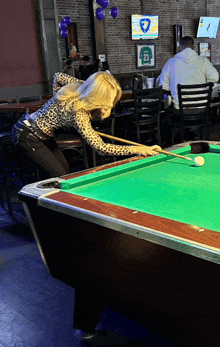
[20, 61]
[20, 41]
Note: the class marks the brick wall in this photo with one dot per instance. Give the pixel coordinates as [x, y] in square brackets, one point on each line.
[121, 50]
[79, 12]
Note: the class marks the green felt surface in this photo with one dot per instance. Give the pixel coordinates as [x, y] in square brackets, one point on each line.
[164, 186]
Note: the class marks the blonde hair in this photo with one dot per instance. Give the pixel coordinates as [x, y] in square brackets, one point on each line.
[99, 91]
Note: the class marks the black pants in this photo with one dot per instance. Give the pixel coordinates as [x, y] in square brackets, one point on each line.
[40, 148]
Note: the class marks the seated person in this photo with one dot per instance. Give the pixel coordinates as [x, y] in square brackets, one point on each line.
[68, 69]
[88, 68]
[97, 65]
[216, 91]
[74, 104]
[105, 67]
[186, 67]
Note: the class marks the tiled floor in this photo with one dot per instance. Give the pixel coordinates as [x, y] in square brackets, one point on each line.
[36, 310]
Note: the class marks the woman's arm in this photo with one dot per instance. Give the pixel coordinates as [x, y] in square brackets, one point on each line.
[61, 79]
[83, 125]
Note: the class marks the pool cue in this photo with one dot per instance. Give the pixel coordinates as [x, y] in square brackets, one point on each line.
[139, 144]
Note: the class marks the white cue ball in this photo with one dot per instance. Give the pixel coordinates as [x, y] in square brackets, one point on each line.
[199, 161]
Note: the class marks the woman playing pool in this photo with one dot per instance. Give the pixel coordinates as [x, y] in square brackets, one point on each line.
[73, 106]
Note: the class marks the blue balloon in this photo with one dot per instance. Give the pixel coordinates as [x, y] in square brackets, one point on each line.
[62, 25]
[64, 33]
[67, 20]
[103, 3]
[114, 12]
[100, 13]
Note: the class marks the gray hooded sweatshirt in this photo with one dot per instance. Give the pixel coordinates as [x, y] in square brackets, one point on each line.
[186, 67]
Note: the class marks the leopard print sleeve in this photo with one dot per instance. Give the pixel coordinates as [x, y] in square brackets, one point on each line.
[83, 125]
[60, 80]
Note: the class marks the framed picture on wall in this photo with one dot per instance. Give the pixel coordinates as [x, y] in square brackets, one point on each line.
[177, 35]
[205, 49]
[146, 55]
[73, 41]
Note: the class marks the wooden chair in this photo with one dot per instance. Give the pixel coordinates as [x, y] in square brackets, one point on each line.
[215, 107]
[16, 170]
[193, 116]
[143, 125]
[122, 113]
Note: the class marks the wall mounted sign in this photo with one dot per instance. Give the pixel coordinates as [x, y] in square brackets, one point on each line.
[177, 35]
[146, 55]
[72, 41]
[102, 57]
[205, 49]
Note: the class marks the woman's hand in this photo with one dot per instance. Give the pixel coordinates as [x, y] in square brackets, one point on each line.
[146, 150]
[156, 148]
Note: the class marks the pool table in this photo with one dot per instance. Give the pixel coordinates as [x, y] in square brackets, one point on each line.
[141, 236]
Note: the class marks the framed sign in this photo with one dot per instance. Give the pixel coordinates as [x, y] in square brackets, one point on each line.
[102, 57]
[72, 41]
[146, 55]
[205, 49]
[177, 35]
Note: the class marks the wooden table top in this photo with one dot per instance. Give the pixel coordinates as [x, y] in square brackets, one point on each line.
[127, 94]
[22, 107]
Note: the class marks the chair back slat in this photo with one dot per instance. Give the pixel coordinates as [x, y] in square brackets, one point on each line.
[150, 111]
[193, 115]
[195, 96]
[192, 92]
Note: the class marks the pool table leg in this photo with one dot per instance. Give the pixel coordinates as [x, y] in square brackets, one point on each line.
[87, 310]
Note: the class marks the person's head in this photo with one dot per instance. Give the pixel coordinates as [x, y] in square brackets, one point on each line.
[105, 66]
[97, 65]
[86, 59]
[100, 91]
[69, 62]
[186, 42]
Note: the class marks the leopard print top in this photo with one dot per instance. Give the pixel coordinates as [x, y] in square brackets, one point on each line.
[52, 117]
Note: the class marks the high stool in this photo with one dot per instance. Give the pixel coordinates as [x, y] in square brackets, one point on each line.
[69, 143]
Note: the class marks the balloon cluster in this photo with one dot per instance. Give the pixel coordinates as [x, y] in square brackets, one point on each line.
[100, 13]
[63, 24]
